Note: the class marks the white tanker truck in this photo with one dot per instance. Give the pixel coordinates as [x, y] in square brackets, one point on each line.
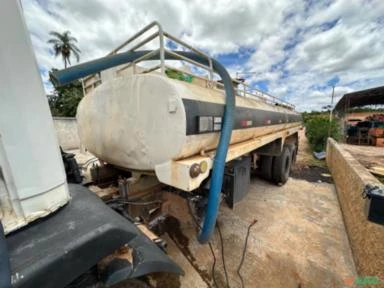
[189, 131]
[193, 136]
[149, 122]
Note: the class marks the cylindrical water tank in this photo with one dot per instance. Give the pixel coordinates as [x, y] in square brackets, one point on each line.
[140, 121]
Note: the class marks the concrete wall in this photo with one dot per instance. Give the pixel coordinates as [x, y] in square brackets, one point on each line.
[66, 130]
[366, 238]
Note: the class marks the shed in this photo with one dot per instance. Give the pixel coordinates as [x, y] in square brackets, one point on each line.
[372, 96]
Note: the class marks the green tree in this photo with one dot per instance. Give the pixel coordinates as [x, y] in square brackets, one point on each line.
[317, 129]
[64, 45]
[63, 102]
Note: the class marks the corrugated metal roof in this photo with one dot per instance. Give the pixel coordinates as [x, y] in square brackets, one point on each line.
[371, 96]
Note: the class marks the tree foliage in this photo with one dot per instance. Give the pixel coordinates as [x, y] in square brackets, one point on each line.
[63, 102]
[64, 45]
[317, 129]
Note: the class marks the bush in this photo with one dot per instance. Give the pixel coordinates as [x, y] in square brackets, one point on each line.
[317, 132]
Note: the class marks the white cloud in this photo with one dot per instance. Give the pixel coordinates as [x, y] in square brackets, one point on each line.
[298, 46]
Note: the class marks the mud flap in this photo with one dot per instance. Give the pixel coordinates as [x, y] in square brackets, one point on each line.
[56, 250]
[147, 258]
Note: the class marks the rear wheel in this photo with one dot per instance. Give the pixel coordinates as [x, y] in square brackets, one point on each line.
[266, 167]
[293, 148]
[282, 166]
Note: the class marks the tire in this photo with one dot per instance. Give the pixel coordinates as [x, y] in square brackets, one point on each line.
[282, 166]
[266, 167]
[293, 149]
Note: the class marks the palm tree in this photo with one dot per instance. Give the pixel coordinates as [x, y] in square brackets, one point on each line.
[64, 45]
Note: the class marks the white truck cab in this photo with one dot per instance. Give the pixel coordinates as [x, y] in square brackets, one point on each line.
[32, 177]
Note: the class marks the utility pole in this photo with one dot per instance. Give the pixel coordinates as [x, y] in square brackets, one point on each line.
[330, 111]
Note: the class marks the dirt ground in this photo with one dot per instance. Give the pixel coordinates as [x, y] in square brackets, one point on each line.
[308, 167]
[368, 156]
[299, 239]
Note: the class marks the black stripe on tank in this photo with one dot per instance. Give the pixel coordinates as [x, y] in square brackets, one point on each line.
[244, 117]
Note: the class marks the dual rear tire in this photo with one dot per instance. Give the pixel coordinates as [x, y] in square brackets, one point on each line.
[277, 168]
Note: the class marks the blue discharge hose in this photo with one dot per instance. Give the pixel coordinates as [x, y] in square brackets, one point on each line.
[66, 76]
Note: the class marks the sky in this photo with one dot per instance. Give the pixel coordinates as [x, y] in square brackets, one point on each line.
[295, 50]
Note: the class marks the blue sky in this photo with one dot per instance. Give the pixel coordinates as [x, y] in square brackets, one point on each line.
[296, 50]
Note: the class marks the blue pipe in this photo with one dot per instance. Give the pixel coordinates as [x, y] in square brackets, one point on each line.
[79, 71]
